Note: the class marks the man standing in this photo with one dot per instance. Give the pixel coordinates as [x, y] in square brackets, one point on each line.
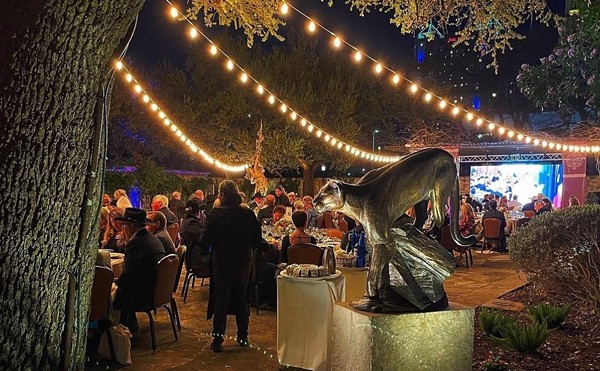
[160, 203]
[142, 253]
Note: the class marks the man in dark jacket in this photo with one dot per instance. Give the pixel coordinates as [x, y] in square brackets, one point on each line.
[176, 205]
[266, 211]
[138, 280]
[159, 230]
[191, 232]
[494, 213]
[161, 203]
[232, 232]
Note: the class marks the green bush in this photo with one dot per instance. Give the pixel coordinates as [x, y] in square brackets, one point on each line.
[552, 315]
[493, 321]
[560, 252]
[524, 338]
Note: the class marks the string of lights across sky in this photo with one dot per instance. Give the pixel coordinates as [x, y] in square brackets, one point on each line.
[379, 68]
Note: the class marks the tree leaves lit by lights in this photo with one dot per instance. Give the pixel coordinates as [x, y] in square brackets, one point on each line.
[256, 17]
[489, 27]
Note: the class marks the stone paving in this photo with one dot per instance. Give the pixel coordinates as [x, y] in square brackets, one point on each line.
[492, 276]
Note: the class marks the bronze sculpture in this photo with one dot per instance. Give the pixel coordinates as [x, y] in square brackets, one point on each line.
[407, 268]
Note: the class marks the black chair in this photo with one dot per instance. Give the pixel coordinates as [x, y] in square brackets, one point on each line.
[522, 222]
[203, 271]
[163, 293]
[451, 246]
[181, 250]
[255, 280]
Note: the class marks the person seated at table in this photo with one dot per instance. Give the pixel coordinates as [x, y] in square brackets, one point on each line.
[114, 238]
[546, 206]
[281, 197]
[514, 204]
[494, 213]
[257, 201]
[159, 230]
[191, 233]
[277, 219]
[137, 281]
[176, 205]
[161, 203]
[298, 205]
[292, 198]
[474, 204]
[312, 213]
[103, 223]
[267, 210]
[298, 236]
[467, 219]
[503, 205]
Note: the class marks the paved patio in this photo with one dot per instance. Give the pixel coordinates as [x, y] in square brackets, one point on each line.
[492, 276]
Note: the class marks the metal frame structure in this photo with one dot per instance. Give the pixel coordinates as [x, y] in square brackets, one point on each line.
[530, 157]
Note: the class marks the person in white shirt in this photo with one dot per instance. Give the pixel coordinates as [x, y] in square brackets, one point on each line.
[514, 204]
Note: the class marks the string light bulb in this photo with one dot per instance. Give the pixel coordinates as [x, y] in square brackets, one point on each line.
[337, 42]
[146, 98]
[357, 56]
[333, 141]
[520, 137]
[414, 88]
[469, 116]
[154, 107]
[501, 130]
[327, 137]
[174, 12]
[244, 78]
[260, 89]
[283, 108]
[510, 134]
[340, 144]
[272, 99]
[229, 65]
[138, 88]
[544, 144]
[536, 141]
[551, 145]
[193, 32]
[303, 122]
[558, 147]
[428, 97]
[311, 127]
[128, 77]
[213, 49]
[396, 79]
[161, 114]
[119, 65]
[442, 104]
[455, 111]
[527, 140]
[284, 8]
[479, 122]
[378, 68]
[293, 116]
[312, 27]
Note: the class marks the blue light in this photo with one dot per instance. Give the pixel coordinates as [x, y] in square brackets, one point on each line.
[420, 54]
[476, 102]
[135, 197]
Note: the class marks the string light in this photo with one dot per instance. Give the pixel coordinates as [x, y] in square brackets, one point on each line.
[213, 50]
[260, 89]
[378, 68]
[428, 97]
[229, 65]
[442, 104]
[284, 8]
[396, 78]
[193, 33]
[455, 111]
[312, 26]
[272, 99]
[244, 77]
[168, 123]
[174, 12]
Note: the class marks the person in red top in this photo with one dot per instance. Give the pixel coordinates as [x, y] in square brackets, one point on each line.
[467, 219]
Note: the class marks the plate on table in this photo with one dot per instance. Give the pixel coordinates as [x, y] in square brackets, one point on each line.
[336, 274]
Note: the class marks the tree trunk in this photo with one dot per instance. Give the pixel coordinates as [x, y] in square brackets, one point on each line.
[54, 58]
[308, 181]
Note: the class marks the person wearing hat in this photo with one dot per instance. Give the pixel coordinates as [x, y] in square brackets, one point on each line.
[281, 197]
[191, 232]
[142, 253]
[257, 201]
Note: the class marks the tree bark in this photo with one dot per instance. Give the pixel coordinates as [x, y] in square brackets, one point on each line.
[308, 181]
[54, 57]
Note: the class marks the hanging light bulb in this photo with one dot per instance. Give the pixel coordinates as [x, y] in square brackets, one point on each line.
[174, 12]
[333, 141]
[293, 116]
[213, 50]
[544, 144]
[414, 88]
[167, 122]
[323, 167]
[469, 116]
[357, 56]
[193, 32]
[536, 141]
[396, 79]
[154, 107]
[311, 127]
[511, 133]
[378, 68]
[479, 122]
[327, 137]
[428, 97]
[340, 144]
[161, 114]
[146, 98]
[337, 42]
[558, 147]
[455, 111]
[244, 78]
[128, 77]
[312, 26]
[260, 89]
[551, 145]
[284, 8]
[442, 104]
[119, 65]
[501, 130]
[229, 65]
[138, 89]
[520, 137]
[527, 140]
[283, 108]
[272, 99]
[303, 122]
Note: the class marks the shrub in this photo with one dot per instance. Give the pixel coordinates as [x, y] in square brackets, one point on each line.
[560, 251]
[552, 315]
[524, 338]
[492, 322]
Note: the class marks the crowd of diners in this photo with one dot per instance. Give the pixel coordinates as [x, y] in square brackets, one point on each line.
[223, 231]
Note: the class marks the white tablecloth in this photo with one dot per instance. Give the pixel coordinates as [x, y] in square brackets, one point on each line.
[356, 282]
[305, 320]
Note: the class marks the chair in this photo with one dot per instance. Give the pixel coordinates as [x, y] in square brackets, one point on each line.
[451, 246]
[173, 230]
[100, 301]
[254, 277]
[203, 272]
[343, 225]
[305, 253]
[529, 213]
[491, 232]
[181, 250]
[166, 272]
[335, 233]
[522, 222]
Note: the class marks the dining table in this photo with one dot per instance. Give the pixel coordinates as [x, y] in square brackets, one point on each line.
[117, 262]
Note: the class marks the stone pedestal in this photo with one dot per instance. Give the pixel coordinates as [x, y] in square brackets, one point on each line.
[365, 341]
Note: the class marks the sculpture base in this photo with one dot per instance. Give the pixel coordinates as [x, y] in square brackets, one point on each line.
[376, 305]
[408, 341]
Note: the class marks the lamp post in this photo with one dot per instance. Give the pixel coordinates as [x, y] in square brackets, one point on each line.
[374, 132]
